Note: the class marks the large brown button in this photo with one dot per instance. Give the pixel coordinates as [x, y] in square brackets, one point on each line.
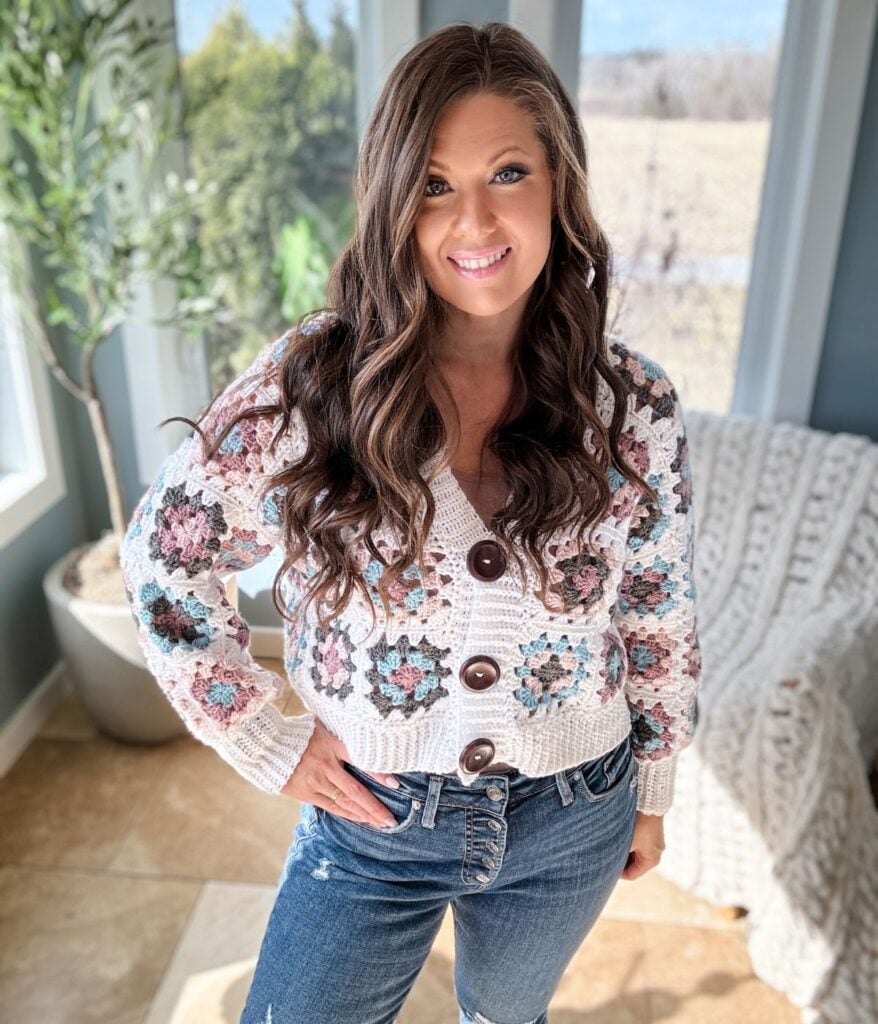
[476, 755]
[486, 560]
[479, 672]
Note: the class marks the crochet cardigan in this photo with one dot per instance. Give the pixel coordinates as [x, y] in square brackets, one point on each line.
[611, 647]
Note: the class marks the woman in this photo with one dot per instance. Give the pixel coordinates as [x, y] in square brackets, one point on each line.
[430, 451]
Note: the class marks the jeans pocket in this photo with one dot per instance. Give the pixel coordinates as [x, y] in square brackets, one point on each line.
[399, 802]
[607, 773]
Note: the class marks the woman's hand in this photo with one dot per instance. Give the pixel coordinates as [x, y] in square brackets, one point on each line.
[320, 773]
[647, 844]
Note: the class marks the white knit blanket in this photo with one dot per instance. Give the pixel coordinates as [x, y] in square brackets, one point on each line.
[772, 809]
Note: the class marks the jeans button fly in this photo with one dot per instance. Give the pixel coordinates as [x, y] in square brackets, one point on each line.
[494, 792]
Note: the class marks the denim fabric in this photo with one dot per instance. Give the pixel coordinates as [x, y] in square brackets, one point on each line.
[527, 865]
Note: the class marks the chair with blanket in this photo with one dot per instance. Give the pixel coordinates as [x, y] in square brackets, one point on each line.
[772, 808]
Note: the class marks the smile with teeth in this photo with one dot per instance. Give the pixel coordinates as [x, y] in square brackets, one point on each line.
[479, 264]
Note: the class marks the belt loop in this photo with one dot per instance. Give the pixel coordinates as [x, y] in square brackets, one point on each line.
[564, 788]
[428, 816]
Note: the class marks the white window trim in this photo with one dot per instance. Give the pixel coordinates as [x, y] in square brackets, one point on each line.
[388, 28]
[555, 26]
[27, 495]
[821, 82]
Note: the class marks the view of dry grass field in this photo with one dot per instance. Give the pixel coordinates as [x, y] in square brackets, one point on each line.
[679, 200]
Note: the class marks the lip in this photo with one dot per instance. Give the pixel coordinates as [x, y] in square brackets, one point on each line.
[476, 275]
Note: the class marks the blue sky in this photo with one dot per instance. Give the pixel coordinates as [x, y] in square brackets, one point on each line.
[616, 26]
[268, 17]
[609, 26]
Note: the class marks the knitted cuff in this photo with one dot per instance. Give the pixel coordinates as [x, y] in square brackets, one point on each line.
[655, 784]
[266, 748]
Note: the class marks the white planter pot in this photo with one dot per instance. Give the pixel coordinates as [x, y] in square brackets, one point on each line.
[106, 665]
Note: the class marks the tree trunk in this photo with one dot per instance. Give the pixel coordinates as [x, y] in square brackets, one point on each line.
[87, 393]
[98, 419]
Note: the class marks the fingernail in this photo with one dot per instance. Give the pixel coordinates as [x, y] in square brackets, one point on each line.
[389, 822]
[393, 782]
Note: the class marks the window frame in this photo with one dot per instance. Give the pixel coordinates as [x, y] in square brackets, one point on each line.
[26, 495]
[821, 84]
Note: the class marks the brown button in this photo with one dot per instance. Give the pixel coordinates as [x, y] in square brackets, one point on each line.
[479, 672]
[476, 755]
[486, 560]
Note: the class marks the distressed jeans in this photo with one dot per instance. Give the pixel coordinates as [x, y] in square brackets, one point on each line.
[526, 863]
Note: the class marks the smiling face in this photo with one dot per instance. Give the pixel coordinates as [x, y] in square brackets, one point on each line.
[489, 193]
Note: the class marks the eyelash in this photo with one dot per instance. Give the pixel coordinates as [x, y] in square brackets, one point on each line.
[510, 167]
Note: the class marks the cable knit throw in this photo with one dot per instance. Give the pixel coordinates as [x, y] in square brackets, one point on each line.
[772, 809]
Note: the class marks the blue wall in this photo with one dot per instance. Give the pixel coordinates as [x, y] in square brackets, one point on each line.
[26, 637]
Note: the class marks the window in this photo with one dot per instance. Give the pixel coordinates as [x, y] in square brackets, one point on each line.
[271, 108]
[31, 478]
[676, 101]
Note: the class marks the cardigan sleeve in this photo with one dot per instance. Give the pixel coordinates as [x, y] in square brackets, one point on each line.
[198, 523]
[656, 611]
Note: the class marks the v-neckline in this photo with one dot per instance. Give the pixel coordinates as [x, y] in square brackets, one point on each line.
[446, 487]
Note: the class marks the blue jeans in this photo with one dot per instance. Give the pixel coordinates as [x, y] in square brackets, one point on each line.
[527, 865]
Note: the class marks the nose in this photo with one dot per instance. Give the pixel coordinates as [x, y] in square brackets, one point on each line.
[474, 215]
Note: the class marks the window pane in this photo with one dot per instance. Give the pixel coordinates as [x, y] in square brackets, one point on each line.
[271, 100]
[16, 446]
[676, 101]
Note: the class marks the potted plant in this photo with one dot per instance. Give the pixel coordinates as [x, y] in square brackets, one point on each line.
[79, 92]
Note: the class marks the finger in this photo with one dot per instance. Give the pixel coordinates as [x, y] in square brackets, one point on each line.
[340, 812]
[388, 780]
[639, 866]
[342, 807]
[633, 867]
[360, 799]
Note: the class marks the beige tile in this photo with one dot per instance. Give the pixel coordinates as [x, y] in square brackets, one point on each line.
[276, 665]
[206, 821]
[294, 705]
[85, 947]
[605, 982]
[69, 720]
[273, 665]
[210, 974]
[655, 898]
[289, 702]
[281, 702]
[704, 974]
[69, 803]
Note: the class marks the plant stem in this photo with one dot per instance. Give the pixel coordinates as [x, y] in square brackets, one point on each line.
[98, 418]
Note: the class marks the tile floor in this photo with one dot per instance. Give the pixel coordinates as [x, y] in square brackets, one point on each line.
[136, 883]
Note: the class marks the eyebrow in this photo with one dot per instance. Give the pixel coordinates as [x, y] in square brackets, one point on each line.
[496, 156]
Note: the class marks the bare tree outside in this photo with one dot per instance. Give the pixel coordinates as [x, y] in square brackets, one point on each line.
[677, 143]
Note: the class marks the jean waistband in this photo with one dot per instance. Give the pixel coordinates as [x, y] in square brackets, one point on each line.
[486, 788]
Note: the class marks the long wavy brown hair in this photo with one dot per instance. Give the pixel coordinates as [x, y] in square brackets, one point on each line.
[361, 372]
